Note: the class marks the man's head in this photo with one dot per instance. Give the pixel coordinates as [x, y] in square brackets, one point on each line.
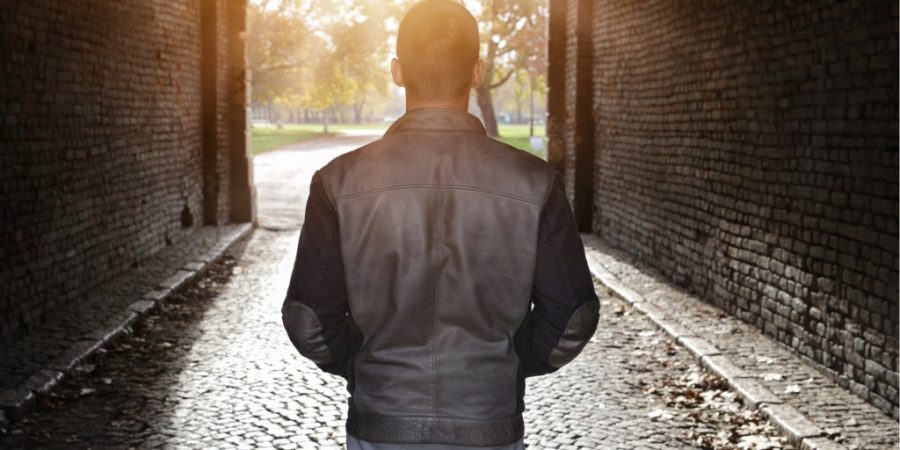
[437, 53]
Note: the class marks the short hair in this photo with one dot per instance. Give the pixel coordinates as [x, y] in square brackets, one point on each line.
[437, 46]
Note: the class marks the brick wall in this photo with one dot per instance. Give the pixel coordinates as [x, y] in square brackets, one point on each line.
[222, 93]
[100, 144]
[748, 150]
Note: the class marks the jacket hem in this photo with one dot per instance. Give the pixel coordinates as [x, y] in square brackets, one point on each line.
[435, 430]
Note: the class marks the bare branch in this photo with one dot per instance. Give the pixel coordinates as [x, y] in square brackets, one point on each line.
[503, 80]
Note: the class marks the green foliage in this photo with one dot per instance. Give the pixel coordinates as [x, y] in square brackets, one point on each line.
[334, 54]
[321, 54]
[513, 36]
[278, 50]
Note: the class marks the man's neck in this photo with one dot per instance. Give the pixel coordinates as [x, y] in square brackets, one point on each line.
[460, 104]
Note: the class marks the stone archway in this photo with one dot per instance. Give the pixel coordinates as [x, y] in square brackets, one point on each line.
[570, 123]
[228, 193]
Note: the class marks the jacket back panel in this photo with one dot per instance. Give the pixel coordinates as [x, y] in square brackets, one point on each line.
[438, 238]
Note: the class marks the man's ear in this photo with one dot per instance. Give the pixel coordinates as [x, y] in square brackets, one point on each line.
[478, 74]
[397, 72]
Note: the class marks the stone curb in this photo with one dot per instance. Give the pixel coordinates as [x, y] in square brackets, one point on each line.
[792, 422]
[14, 403]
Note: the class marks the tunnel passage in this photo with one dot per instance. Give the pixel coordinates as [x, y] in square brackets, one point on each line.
[747, 150]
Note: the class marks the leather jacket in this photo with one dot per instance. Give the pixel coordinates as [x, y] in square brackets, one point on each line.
[437, 269]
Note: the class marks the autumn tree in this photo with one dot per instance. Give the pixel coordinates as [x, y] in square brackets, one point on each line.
[360, 43]
[534, 62]
[349, 60]
[329, 54]
[278, 43]
[511, 31]
[521, 90]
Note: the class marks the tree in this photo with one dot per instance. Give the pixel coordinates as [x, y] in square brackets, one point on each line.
[535, 62]
[521, 91]
[332, 55]
[360, 54]
[277, 42]
[511, 29]
[354, 52]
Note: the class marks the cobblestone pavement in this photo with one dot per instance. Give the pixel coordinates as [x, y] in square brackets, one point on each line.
[72, 323]
[846, 418]
[213, 368]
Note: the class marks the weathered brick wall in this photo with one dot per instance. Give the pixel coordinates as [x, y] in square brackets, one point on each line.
[748, 150]
[222, 107]
[100, 144]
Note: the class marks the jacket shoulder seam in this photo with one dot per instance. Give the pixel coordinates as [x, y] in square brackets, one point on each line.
[444, 187]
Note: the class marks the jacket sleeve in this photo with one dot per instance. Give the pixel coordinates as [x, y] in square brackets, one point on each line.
[315, 311]
[566, 308]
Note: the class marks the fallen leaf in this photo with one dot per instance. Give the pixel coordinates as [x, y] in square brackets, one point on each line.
[756, 442]
[86, 368]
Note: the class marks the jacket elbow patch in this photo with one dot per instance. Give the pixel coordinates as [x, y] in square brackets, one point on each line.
[578, 332]
[305, 331]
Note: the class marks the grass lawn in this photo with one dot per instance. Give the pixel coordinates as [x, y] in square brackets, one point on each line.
[517, 136]
[267, 138]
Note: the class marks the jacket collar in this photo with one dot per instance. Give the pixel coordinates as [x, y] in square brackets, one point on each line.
[437, 120]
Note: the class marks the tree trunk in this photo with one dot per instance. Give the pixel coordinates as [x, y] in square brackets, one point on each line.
[531, 113]
[486, 104]
[357, 114]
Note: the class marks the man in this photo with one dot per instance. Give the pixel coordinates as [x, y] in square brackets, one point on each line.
[421, 256]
